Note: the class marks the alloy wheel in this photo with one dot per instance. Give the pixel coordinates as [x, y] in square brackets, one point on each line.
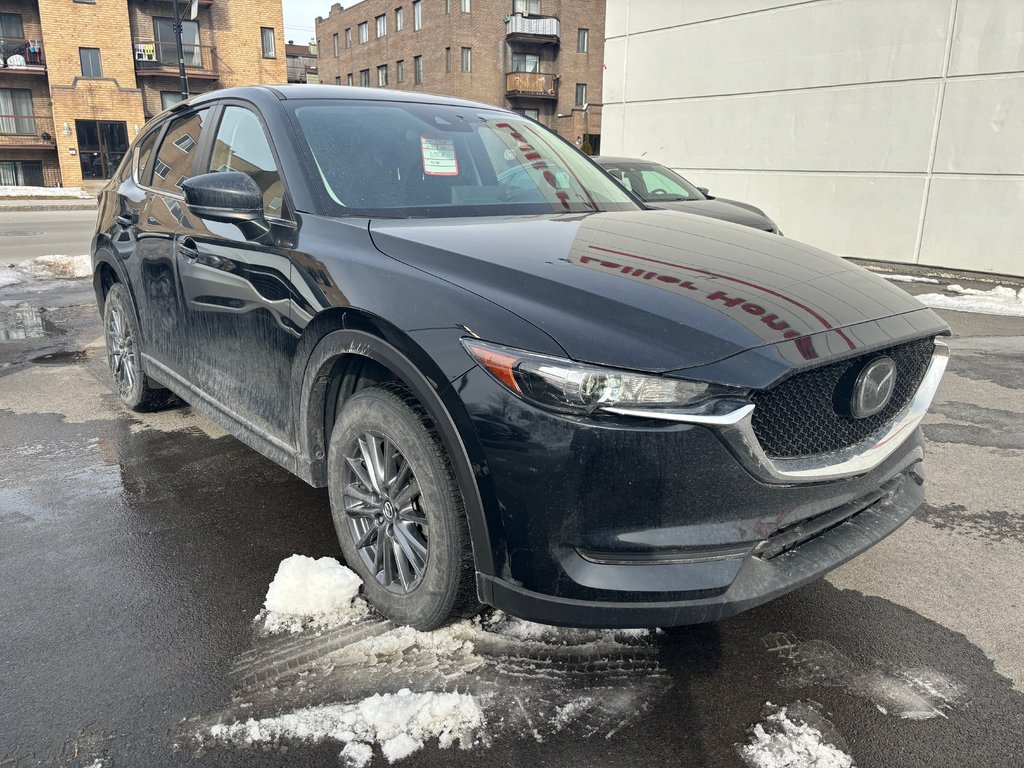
[121, 350]
[382, 502]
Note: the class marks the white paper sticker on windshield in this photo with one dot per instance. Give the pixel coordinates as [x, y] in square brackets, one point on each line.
[439, 157]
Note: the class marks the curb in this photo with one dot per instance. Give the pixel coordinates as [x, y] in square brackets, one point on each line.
[47, 205]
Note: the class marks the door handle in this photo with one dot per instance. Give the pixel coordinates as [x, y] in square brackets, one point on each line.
[126, 219]
[187, 249]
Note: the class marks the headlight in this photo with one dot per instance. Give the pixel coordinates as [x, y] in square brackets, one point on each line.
[564, 385]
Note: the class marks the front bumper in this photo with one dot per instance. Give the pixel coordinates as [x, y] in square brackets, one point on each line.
[757, 579]
[618, 521]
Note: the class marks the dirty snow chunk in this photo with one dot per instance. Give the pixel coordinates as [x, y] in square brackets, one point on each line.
[307, 590]
[54, 267]
[8, 277]
[908, 278]
[502, 624]
[356, 754]
[998, 301]
[779, 742]
[400, 723]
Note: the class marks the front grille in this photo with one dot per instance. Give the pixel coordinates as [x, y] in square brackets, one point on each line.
[798, 416]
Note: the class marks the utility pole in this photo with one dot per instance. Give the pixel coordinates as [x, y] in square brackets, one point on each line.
[181, 51]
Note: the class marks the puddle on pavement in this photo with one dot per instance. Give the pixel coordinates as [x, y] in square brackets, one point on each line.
[23, 321]
[69, 357]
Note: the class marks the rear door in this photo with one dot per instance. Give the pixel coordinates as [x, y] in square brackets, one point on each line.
[235, 292]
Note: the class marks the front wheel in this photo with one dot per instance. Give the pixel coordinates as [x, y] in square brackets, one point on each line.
[398, 511]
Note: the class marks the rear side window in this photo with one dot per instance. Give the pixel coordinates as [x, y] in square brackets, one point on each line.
[144, 155]
[174, 161]
[241, 145]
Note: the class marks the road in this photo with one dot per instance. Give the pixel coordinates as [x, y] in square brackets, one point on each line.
[135, 551]
[27, 234]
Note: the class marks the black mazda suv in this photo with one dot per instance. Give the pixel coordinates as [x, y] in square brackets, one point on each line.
[520, 386]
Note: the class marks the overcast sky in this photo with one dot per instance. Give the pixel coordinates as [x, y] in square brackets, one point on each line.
[300, 17]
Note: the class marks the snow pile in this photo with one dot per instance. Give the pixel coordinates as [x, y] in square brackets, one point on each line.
[498, 623]
[58, 192]
[56, 267]
[307, 592]
[998, 301]
[400, 723]
[779, 742]
[908, 278]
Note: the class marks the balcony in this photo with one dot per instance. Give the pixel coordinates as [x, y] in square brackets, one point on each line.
[21, 57]
[540, 30]
[155, 58]
[531, 85]
[26, 132]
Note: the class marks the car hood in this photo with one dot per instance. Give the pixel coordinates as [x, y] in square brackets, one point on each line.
[649, 290]
[720, 208]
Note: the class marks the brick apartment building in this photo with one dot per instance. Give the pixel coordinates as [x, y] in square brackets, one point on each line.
[79, 78]
[543, 58]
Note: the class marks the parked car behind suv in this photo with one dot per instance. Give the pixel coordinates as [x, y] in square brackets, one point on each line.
[661, 187]
[519, 387]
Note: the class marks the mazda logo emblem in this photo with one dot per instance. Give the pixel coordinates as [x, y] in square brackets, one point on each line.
[873, 388]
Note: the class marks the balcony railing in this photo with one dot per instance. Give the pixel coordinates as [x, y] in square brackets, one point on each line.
[21, 56]
[154, 57]
[26, 131]
[538, 85]
[532, 29]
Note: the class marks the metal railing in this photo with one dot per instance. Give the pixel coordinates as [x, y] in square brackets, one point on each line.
[536, 28]
[160, 57]
[537, 84]
[21, 54]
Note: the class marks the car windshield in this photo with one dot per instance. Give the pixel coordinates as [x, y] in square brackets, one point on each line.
[399, 159]
[653, 183]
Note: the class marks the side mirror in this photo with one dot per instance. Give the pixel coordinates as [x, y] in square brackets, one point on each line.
[228, 196]
[704, 191]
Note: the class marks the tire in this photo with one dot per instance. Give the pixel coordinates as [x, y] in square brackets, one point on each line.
[121, 332]
[424, 576]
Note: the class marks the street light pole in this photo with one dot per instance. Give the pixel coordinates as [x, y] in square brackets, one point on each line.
[181, 51]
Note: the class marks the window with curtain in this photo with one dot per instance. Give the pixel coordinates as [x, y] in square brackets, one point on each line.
[398, 19]
[382, 75]
[527, 6]
[364, 31]
[21, 173]
[467, 59]
[417, 15]
[382, 25]
[400, 71]
[525, 62]
[417, 70]
[267, 38]
[16, 112]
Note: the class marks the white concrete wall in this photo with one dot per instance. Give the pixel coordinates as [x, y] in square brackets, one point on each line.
[882, 129]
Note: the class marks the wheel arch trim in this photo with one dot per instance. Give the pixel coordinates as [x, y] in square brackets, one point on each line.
[442, 405]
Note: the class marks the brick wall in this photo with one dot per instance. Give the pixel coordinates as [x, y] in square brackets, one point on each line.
[482, 30]
[237, 26]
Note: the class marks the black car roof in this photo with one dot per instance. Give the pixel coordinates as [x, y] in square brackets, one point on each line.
[338, 93]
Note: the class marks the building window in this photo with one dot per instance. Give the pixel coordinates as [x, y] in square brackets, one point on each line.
[382, 75]
[417, 15]
[526, 6]
[417, 70]
[337, 79]
[21, 173]
[350, 79]
[583, 40]
[525, 62]
[16, 112]
[467, 59]
[400, 71]
[465, 6]
[581, 94]
[169, 98]
[364, 78]
[399, 20]
[447, 6]
[337, 46]
[533, 114]
[267, 36]
[10, 26]
[364, 32]
[90, 58]
[348, 37]
[447, 59]
[382, 25]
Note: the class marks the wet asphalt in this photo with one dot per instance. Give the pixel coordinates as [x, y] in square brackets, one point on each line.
[135, 551]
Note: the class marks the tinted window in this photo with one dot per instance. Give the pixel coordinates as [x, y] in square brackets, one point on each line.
[241, 145]
[178, 151]
[144, 155]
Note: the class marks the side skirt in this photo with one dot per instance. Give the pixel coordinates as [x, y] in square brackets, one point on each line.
[274, 449]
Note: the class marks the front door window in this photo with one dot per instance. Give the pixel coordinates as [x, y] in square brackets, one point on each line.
[101, 147]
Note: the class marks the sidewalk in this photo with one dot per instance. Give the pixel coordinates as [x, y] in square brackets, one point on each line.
[47, 204]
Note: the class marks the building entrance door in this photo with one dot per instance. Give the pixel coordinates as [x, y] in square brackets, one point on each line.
[101, 146]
